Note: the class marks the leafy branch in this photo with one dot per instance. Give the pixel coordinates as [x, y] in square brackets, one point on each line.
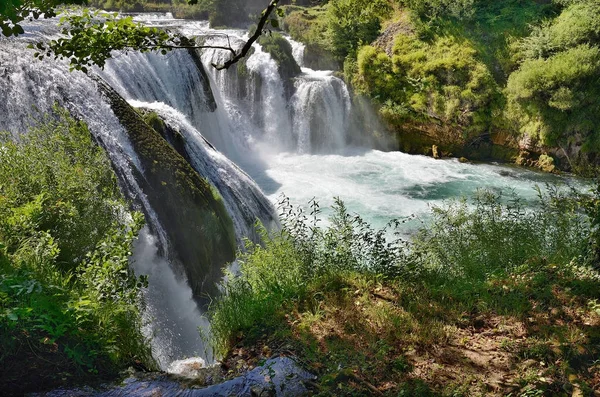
[90, 37]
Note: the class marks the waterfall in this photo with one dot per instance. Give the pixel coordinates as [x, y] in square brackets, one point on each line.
[225, 133]
[298, 49]
[273, 107]
[314, 120]
[244, 200]
[32, 87]
[321, 109]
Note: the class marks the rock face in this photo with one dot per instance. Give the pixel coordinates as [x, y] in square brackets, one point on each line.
[318, 58]
[200, 232]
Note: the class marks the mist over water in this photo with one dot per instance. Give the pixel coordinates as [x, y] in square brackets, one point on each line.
[171, 317]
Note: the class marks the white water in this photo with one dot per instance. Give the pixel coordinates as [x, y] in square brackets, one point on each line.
[172, 318]
[321, 112]
[381, 186]
[243, 199]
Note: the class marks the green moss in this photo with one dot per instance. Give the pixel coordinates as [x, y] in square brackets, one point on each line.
[154, 121]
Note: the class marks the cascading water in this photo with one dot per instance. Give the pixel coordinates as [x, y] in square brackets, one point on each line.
[172, 315]
[29, 85]
[314, 119]
[321, 110]
[243, 198]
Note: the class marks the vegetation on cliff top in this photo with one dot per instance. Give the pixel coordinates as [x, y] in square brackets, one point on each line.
[69, 303]
[474, 67]
[487, 299]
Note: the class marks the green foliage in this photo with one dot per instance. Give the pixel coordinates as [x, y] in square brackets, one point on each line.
[553, 95]
[13, 12]
[556, 98]
[576, 25]
[91, 36]
[432, 9]
[289, 264]
[51, 180]
[442, 80]
[352, 23]
[308, 26]
[67, 295]
[463, 253]
[492, 237]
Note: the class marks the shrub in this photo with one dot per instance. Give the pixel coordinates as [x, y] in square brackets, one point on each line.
[555, 99]
[352, 23]
[442, 80]
[553, 95]
[461, 252]
[67, 295]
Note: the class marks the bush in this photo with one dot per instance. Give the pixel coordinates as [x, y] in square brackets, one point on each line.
[67, 295]
[432, 9]
[442, 80]
[495, 235]
[555, 99]
[352, 23]
[553, 95]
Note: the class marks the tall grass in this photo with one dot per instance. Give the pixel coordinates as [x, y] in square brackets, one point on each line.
[465, 247]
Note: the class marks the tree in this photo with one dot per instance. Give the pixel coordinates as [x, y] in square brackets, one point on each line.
[91, 36]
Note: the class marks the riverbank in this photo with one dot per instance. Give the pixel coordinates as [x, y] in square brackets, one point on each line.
[484, 301]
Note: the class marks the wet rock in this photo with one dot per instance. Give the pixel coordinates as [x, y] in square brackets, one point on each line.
[199, 229]
[435, 152]
[280, 376]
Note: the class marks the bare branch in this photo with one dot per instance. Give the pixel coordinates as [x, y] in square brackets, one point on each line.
[259, 29]
[176, 46]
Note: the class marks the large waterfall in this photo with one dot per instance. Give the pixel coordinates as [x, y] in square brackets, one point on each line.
[174, 87]
[301, 136]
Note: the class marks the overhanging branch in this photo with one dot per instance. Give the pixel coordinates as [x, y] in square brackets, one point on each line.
[257, 33]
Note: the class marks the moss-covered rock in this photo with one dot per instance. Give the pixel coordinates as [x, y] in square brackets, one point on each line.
[281, 51]
[310, 25]
[200, 232]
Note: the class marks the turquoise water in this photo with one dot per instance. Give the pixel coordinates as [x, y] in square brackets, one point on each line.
[380, 186]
